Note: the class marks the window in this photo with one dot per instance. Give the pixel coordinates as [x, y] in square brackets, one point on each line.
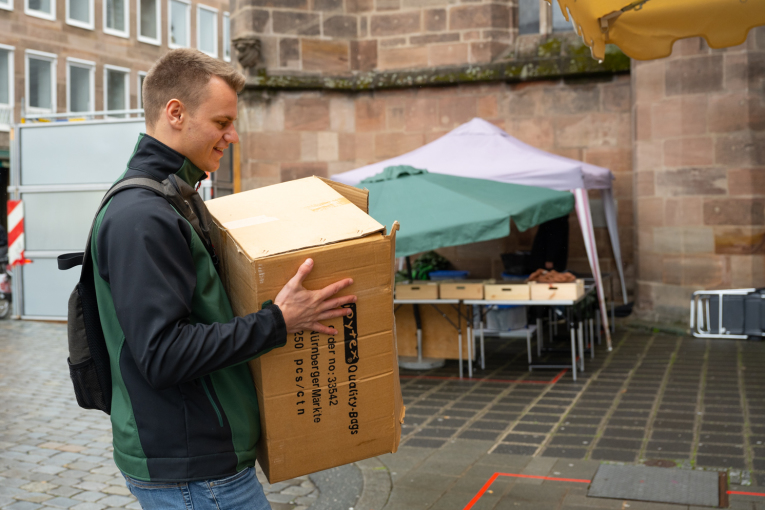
[559, 21]
[45, 9]
[207, 30]
[149, 28]
[40, 82]
[80, 84]
[79, 13]
[6, 4]
[528, 17]
[226, 37]
[6, 87]
[116, 18]
[179, 24]
[116, 89]
[141, 77]
[539, 17]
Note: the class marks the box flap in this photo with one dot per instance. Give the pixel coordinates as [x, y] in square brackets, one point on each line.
[359, 197]
[291, 216]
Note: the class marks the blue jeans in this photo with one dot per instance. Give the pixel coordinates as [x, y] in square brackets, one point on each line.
[241, 491]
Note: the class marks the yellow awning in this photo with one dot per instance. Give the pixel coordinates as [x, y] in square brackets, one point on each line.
[646, 29]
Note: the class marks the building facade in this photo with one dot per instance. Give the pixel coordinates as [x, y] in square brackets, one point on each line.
[336, 84]
[61, 56]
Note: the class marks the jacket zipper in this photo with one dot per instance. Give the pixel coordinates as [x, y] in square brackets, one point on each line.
[209, 397]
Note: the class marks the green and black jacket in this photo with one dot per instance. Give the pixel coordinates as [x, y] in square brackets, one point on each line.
[183, 403]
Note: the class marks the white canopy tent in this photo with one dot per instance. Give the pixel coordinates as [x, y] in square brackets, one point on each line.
[481, 150]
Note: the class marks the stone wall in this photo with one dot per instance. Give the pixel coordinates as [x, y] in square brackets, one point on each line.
[699, 173]
[336, 38]
[291, 135]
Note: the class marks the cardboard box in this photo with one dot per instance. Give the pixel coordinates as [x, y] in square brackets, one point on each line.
[464, 289]
[506, 292]
[324, 401]
[439, 337]
[565, 291]
[419, 290]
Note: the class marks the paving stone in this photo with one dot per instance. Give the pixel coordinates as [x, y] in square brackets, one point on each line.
[515, 449]
[532, 427]
[576, 430]
[714, 449]
[614, 455]
[565, 452]
[720, 461]
[425, 443]
[524, 438]
[481, 435]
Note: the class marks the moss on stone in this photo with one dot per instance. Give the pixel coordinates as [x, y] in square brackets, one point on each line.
[556, 58]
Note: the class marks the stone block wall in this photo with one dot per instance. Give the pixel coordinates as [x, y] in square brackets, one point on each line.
[699, 173]
[291, 135]
[336, 38]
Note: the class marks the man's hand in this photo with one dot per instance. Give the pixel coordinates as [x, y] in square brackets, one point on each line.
[303, 309]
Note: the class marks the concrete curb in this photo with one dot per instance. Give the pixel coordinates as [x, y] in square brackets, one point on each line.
[364, 485]
[377, 484]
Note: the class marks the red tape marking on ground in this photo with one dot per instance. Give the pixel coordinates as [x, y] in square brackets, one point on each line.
[516, 475]
[518, 381]
[760, 494]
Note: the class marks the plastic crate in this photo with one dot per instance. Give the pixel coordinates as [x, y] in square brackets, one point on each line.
[448, 275]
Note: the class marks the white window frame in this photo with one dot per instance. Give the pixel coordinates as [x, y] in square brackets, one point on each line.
[170, 43]
[41, 14]
[90, 25]
[11, 94]
[139, 95]
[83, 64]
[8, 6]
[125, 70]
[213, 10]
[546, 18]
[53, 59]
[118, 33]
[226, 36]
[143, 38]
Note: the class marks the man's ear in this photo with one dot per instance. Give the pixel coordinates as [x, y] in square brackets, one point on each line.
[175, 113]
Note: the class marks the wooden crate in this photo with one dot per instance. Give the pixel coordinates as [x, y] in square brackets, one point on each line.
[439, 338]
[461, 290]
[547, 291]
[424, 290]
[506, 292]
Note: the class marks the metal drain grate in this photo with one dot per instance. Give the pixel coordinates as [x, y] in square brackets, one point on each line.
[642, 483]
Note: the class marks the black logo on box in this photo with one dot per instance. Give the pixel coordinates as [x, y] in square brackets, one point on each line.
[351, 333]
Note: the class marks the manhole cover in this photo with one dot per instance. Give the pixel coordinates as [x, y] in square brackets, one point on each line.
[660, 463]
[661, 485]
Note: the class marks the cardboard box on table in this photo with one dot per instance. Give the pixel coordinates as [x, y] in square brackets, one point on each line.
[565, 291]
[417, 290]
[439, 337]
[324, 401]
[507, 292]
[461, 289]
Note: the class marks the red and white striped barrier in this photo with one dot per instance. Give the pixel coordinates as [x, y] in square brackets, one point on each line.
[16, 233]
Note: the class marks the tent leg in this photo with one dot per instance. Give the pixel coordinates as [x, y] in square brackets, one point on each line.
[539, 337]
[573, 352]
[592, 339]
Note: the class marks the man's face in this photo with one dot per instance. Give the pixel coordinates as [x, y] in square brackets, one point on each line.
[210, 129]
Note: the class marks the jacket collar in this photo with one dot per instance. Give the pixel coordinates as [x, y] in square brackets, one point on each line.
[159, 161]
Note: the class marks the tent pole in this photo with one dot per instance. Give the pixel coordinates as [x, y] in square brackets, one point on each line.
[585, 222]
[416, 309]
[609, 207]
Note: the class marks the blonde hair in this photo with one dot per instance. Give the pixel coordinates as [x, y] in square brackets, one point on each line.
[183, 74]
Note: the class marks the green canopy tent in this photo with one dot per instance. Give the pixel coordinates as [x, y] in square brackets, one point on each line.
[438, 210]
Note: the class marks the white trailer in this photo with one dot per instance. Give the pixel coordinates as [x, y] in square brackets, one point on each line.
[61, 169]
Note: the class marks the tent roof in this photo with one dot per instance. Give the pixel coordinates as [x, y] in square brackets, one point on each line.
[481, 150]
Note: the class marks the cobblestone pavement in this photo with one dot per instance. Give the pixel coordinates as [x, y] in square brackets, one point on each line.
[694, 404]
[54, 454]
[699, 404]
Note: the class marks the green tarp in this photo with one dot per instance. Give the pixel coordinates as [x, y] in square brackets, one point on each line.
[437, 210]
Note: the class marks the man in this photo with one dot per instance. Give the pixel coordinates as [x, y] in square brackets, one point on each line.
[184, 409]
